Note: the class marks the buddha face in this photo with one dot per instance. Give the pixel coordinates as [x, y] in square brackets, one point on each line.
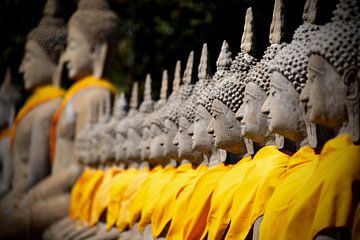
[120, 137]
[184, 144]
[157, 146]
[78, 54]
[170, 130]
[226, 129]
[324, 95]
[36, 67]
[202, 140]
[283, 110]
[132, 152]
[144, 145]
[253, 122]
[106, 146]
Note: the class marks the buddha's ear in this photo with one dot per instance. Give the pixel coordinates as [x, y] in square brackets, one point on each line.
[351, 78]
[99, 57]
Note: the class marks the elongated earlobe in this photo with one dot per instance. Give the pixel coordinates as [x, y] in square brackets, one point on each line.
[100, 54]
[351, 78]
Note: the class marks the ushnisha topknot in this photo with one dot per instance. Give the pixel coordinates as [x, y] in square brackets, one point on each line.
[96, 21]
[260, 73]
[147, 104]
[173, 109]
[292, 60]
[50, 34]
[189, 107]
[338, 41]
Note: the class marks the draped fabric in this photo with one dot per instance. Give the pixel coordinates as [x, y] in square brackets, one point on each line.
[85, 83]
[40, 96]
[300, 167]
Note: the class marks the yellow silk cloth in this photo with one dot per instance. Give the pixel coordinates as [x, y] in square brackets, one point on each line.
[85, 83]
[330, 196]
[181, 205]
[153, 193]
[140, 196]
[199, 203]
[165, 206]
[102, 196]
[4, 133]
[123, 219]
[88, 193]
[76, 191]
[300, 167]
[220, 205]
[118, 186]
[41, 95]
[252, 194]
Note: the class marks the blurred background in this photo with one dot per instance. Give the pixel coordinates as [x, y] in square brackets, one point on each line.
[154, 33]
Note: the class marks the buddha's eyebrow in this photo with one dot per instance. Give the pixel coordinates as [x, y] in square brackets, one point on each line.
[315, 69]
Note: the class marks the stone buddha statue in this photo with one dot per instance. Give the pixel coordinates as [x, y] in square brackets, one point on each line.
[187, 113]
[331, 99]
[9, 98]
[123, 125]
[226, 99]
[30, 132]
[93, 34]
[171, 115]
[287, 79]
[132, 152]
[149, 132]
[257, 82]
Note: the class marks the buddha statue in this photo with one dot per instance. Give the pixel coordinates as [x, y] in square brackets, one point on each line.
[123, 125]
[331, 99]
[227, 95]
[30, 131]
[187, 113]
[132, 152]
[9, 98]
[92, 36]
[151, 131]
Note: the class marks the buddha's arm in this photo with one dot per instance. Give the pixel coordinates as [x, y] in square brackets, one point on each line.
[6, 166]
[39, 166]
[56, 183]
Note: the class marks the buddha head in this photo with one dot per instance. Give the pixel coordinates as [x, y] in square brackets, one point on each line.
[122, 126]
[43, 47]
[226, 99]
[9, 98]
[156, 143]
[132, 151]
[287, 79]
[254, 124]
[332, 93]
[171, 114]
[92, 39]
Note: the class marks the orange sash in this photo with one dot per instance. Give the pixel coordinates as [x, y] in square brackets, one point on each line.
[4, 133]
[87, 82]
[41, 95]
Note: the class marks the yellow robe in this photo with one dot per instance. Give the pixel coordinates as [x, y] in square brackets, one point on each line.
[164, 208]
[102, 196]
[181, 205]
[153, 193]
[76, 191]
[300, 167]
[252, 194]
[87, 82]
[118, 186]
[221, 200]
[41, 95]
[199, 203]
[87, 195]
[123, 219]
[137, 204]
[330, 196]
